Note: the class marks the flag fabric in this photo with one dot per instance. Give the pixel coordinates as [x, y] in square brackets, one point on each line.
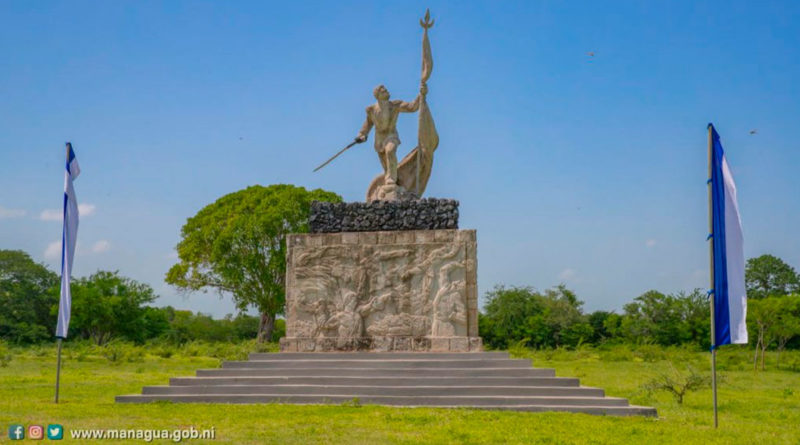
[730, 296]
[69, 236]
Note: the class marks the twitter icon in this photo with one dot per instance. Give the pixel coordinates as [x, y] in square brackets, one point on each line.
[55, 432]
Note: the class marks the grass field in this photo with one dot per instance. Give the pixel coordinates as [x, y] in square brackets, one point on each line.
[755, 407]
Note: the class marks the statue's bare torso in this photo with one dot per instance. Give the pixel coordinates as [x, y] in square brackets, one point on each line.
[384, 118]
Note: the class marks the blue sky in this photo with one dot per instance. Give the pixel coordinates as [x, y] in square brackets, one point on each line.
[576, 169]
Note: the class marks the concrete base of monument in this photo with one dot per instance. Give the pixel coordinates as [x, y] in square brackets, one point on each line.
[484, 380]
[382, 344]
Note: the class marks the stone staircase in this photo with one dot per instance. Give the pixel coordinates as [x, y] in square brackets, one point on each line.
[485, 380]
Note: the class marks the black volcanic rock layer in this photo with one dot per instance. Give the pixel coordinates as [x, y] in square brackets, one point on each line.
[421, 214]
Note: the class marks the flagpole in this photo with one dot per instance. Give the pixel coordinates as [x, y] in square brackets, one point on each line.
[58, 368]
[711, 269]
[60, 339]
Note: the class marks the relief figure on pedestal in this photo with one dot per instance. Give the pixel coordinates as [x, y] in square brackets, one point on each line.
[348, 321]
[449, 310]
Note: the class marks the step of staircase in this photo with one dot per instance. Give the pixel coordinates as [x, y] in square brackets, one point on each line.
[469, 401]
[379, 355]
[580, 391]
[487, 380]
[375, 381]
[373, 372]
[379, 364]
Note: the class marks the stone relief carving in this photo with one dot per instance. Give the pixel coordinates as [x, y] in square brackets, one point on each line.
[449, 310]
[351, 291]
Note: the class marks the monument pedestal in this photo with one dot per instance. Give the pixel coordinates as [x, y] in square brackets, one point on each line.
[406, 290]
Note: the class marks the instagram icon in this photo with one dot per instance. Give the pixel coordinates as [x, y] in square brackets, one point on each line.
[35, 432]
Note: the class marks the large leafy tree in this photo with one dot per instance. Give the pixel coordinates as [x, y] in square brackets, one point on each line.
[106, 305]
[769, 275]
[27, 292]
[237, 246]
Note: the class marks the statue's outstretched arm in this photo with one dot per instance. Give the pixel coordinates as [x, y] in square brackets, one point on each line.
[365, 128]
[409, 107]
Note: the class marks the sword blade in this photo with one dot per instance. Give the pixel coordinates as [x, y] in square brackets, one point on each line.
[336, 155]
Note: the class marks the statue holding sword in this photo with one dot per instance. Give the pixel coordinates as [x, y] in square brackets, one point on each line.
[408, 178]
[383, 116]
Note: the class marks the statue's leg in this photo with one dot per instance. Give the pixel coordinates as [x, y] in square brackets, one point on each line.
[383, 160]
[390, 167]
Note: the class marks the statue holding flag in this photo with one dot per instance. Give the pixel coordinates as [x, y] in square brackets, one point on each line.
[383, 116]
[408, 178]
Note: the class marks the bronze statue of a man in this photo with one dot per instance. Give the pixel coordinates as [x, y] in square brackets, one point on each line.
[383, 116]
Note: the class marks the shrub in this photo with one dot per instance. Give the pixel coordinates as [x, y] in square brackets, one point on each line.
[5, 355]
[617, 353]
[114, 352]
[134, 354]
[165, 351]
[677, 383]
[650, 353]
[78, 350]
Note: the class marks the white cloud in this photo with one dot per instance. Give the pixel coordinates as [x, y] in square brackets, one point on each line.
[55, 215]
[567, 274]
[86, 209]
[53, 251]
[650, 243]
[101, 246]
[50, 215]
[11, 213]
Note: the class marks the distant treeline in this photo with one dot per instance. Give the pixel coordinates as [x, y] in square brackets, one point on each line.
[105, 306]
[555, 318]
[109, 306]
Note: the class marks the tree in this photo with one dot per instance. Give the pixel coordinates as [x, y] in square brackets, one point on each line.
[768, 275]
[599, 321]
[504, 316]
[762, 315]
[237, 246]
[667, 319]
[564, 318]
[28, 290]
[548, 319]
[787, 323]
[106, 305]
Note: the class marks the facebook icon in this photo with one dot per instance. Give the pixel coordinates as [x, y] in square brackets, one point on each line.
[16, 432]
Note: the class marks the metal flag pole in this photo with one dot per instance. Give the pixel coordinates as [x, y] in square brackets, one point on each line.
[58, 368]
[711, 269]
[60, 340]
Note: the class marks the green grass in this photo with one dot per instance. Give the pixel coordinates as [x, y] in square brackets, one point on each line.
[755, 407]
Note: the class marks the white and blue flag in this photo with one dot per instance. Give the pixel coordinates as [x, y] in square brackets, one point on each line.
[69, 236]
[730, 297]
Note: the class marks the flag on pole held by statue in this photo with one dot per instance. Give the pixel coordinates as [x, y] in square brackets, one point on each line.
[69, 236]
[729, 294]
